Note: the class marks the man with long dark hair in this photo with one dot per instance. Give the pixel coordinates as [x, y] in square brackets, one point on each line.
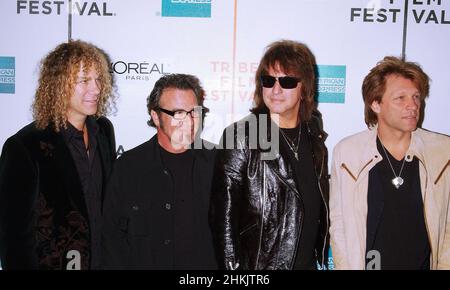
[271, 212]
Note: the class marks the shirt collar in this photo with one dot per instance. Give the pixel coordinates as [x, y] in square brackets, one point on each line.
[72, 132]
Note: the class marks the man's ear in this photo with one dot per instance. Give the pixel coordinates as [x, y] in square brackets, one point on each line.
[375, 106]
[155, 118]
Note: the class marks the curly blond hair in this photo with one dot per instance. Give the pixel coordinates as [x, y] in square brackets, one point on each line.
[57, 79]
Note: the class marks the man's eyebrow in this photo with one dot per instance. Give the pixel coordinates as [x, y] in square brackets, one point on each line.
[181, 109]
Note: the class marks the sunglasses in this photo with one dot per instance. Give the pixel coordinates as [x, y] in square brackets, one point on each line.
[285, 82]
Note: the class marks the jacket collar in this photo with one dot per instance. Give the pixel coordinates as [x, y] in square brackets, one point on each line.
[155, 150]
[371, 156]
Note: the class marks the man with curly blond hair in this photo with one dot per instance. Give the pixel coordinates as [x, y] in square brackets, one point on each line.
[53, 171]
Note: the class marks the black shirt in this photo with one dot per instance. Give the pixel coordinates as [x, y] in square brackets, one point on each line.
[89, 170]
[396, 223]
[307, 185]
[185, 229]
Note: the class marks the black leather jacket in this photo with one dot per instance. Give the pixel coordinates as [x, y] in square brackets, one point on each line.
[256, 211]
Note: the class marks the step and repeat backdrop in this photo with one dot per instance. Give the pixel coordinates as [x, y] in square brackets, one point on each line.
[221, 42]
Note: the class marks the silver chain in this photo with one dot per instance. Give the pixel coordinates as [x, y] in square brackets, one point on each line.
[390, 164]
[288, 141]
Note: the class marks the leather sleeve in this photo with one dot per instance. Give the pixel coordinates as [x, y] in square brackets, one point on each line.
[228, 182]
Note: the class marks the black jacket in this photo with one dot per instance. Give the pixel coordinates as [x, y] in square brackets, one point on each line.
[43, 214]
[137, 217]
[256, 210]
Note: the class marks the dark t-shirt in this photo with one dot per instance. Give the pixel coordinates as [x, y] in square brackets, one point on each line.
[400, 233]
[306, 181]
[180, 167]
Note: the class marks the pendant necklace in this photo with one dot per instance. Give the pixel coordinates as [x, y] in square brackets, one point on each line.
[397, 181]
[292, 146]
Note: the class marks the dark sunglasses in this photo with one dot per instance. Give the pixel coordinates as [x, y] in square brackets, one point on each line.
[285, 82]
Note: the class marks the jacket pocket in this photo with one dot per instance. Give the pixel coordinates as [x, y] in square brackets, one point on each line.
[343, 166]
[442, 172]
[138, 223]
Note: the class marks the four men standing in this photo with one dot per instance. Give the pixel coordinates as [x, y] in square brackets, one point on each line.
[171, 203]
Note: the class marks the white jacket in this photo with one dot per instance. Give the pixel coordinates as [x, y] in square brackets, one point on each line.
[353, 157]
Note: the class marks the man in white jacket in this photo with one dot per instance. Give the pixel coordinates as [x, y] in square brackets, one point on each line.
[390, 184]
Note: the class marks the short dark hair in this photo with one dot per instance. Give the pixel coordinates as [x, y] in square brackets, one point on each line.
[374, 84]
[176, 81]
[294, 58]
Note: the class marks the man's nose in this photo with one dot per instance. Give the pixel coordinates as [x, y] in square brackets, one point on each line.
[413, 103]
[94, 86]
[277, 87]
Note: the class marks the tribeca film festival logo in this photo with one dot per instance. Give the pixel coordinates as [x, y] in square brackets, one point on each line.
[423, 11]
[186, 8]
[7, 75]
[331, 83]
[137, 71]
[221, 81]
[82, 8]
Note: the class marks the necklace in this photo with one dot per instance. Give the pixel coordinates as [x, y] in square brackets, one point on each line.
[397, 181]
[291, 144]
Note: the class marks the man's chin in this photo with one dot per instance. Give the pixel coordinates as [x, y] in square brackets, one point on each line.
[182, 144]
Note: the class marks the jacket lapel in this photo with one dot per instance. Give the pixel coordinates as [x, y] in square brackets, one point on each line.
[279, 166]
[105, 158]
[66, 172]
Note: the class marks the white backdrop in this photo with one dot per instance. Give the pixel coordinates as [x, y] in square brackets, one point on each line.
[223, 49]
[221, 41]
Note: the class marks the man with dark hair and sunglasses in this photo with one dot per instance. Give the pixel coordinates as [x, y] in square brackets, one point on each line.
[156, 205]
[272, 213]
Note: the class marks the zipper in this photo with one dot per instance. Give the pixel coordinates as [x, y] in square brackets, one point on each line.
[262, 198]
[302, 211]
[323, 200]
[247, 229]
[327, 213]
[318, 177]
[299, 233]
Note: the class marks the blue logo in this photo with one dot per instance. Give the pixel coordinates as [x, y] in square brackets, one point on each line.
[186, 8]
[7, 75]
[330, 260]
[331, 81]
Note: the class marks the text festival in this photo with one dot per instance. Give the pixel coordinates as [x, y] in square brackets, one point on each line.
[422, 15]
